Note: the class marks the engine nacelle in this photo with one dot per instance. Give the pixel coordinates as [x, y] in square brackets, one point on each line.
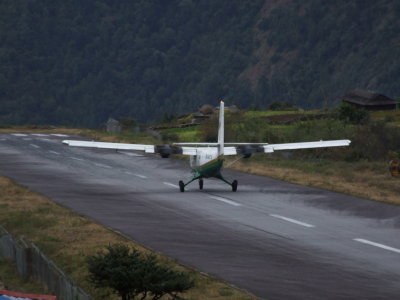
[166, 150]
[248, 150]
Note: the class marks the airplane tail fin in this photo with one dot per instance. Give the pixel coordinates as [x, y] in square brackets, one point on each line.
[221, 129]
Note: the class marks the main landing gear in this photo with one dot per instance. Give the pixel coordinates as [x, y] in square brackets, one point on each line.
[234, 185]
[182, 185]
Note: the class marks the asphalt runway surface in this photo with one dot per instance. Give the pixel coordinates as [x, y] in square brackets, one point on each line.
[275, 239]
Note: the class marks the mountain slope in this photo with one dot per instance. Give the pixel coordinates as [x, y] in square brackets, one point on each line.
[78, 63]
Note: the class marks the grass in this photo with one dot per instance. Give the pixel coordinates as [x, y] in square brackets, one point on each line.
[11, 280]
[392, 117]
[267, 113]
[364, 179]
[187, 134]
[67, 238]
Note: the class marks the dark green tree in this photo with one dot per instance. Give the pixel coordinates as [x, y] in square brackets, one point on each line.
[353, 115]
[134, 275]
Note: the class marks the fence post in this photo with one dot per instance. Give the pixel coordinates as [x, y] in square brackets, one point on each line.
[30, 261]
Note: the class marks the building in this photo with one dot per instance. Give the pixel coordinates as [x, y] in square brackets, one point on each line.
[369, 100]
[113, 126]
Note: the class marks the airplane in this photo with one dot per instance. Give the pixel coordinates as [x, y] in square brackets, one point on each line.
[207, 159]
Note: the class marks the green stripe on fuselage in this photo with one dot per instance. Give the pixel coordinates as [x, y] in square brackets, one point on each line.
[210, 169]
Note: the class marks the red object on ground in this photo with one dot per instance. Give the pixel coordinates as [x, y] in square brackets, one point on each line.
[29, 296]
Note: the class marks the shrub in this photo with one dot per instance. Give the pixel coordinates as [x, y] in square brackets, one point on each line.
[130, 273]
[353, 115]
[281, 106]
[375, 141]
[206, 109]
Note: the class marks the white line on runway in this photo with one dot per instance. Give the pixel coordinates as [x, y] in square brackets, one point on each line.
[3, 139]
[225, 200]
[54, 152]
[292, 220]
[39, 134]
[46, 140]
[378, 245]
[18, 134]
[140, 176]
[171, 184]
[27, 139]
[59, 134]
[76, 158]
[35, 146]
[137, 175]
[103, 166]
[131, 154]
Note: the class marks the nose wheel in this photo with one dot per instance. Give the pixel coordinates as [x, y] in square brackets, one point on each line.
[201, 183]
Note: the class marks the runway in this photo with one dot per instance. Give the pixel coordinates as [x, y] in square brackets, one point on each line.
[275, 239]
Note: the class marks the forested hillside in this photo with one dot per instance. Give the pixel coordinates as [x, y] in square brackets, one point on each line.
[77, 63]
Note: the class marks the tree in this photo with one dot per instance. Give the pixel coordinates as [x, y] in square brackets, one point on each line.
[350, 114]
[131, 274]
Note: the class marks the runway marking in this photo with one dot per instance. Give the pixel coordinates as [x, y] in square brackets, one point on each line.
[39, 134]
[225, 200]
[131, 154]
[35, 146]
[3, 140]
[46, 140]
[54, 152]
[292, 220]
[27, 139]
[171, 184]
[137, 175]
[59, 134]
[76, 158]
[103, 166]
[18, 134]
[378, 245]
[140, 176]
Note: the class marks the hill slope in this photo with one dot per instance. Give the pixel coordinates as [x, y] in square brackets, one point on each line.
[78, 63]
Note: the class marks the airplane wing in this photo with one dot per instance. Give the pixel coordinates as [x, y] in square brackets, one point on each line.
[247, 149]
[164, 150]
[104, 145]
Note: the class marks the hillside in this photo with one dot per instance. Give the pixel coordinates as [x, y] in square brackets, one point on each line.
[77, 63]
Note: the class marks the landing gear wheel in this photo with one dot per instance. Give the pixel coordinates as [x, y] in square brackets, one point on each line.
[234, 186]
[201, 183]
[181, 186]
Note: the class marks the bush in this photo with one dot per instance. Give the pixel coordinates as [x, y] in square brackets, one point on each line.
[128, 123]
[281, 106]
[375, 141]
[238, 128]
[206, 109]
[353, 115]
[130, 273]
[169, 137]
[209, 131]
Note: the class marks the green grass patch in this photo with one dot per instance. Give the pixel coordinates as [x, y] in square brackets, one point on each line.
[187, 134]
[252, 114]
